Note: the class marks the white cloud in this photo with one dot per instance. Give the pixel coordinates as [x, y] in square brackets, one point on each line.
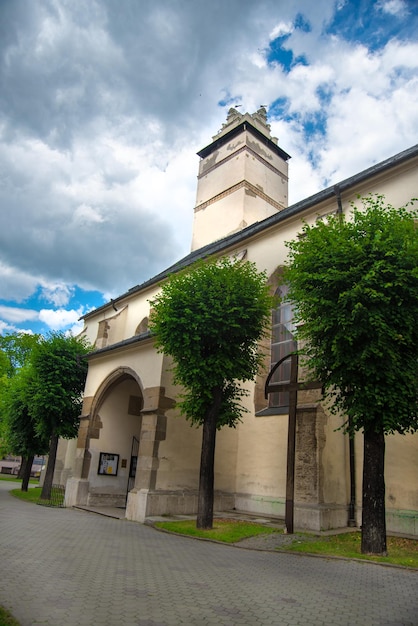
[398, 8]
[57, 294]
[98, 167]
[16, 285]
[17, 315]
[59, 318]
[281, 29]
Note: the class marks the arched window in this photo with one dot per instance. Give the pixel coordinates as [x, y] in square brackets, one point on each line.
[282, 344]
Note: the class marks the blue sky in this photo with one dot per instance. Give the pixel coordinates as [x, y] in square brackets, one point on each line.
[103, 106]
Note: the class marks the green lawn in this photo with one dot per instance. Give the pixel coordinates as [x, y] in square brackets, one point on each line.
[34, 493]
[34, 481]
[229, 531]
[7, 619]
[401, 551]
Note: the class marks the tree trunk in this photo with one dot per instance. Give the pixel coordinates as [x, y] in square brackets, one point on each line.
[207, 461]
[22, 467]
[28, 462]
[373, 530]
[49, 474]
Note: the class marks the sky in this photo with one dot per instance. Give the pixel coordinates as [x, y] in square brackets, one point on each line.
[104, 104]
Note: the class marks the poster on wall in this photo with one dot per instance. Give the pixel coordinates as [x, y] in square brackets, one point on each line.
[108, 464]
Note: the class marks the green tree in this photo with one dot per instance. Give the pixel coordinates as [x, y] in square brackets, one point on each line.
[209, 319]
[58, 383]
[15, 353]
[19, 427]
[355, 286]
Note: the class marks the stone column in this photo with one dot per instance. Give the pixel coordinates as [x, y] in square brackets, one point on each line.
[313, 510]
[153, 430]
[77, 487]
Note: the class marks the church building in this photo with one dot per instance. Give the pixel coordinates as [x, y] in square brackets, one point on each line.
[134, 448]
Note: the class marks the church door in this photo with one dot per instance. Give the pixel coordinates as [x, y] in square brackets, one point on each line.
[133, 464]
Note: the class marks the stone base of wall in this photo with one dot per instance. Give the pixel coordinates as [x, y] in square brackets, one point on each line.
[319, 517]
[307, 517]
[144, 503]
[76, 492]
[402, 522]
[117, 500]
[260, 505]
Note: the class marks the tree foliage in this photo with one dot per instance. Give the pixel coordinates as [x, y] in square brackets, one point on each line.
[41, 393]
[19, 427]
[58, 384]
[22, 437]
[355, 286]
[209, 319]
[15, 351]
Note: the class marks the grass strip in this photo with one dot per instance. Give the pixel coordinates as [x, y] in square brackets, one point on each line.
[34, 495]
[15, 479]
[228, 531]
[401, 551]
[348, 545]
[6, 618]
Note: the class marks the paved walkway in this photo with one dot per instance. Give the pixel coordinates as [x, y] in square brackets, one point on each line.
[65, 567]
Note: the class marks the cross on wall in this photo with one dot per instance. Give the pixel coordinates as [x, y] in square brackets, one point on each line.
[293, 386]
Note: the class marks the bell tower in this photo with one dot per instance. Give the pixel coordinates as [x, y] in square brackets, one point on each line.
[242, 178]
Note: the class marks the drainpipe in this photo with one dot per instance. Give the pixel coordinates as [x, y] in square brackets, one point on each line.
[339, 203]
[352, 506]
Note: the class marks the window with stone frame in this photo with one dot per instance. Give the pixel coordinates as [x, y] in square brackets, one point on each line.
[282, 344]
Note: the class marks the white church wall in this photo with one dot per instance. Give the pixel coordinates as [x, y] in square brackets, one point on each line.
[401, 477]
[140, 357]
[250, 460]
[261, 464]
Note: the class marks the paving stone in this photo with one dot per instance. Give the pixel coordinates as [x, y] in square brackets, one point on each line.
[68, 567]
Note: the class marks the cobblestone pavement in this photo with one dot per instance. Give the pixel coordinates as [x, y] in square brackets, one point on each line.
[65, 567]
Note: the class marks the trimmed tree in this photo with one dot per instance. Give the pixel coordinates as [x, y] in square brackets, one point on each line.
[16, 350]
[209, 319]
[20, 432]
[355, 286]
[58, 385]
[16, 426]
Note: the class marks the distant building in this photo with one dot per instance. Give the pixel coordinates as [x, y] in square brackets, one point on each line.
[134, 447]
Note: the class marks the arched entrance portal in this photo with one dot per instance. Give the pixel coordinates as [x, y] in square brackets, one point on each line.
[121, 421]
[110, 423]
[116, 422]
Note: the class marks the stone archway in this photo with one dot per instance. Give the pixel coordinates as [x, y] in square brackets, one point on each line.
[101, 431]
[109, 421]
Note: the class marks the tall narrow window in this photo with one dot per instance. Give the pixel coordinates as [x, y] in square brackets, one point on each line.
[282, 344]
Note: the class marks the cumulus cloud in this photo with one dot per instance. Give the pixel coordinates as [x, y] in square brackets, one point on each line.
[103, 106]
[16, 314]
[394, 7]
[59, 318]
[57, 294]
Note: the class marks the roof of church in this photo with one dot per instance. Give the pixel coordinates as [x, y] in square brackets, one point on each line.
[258, 227]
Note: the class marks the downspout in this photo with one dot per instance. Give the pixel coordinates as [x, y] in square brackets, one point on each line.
[339, 203]
[352, 506]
